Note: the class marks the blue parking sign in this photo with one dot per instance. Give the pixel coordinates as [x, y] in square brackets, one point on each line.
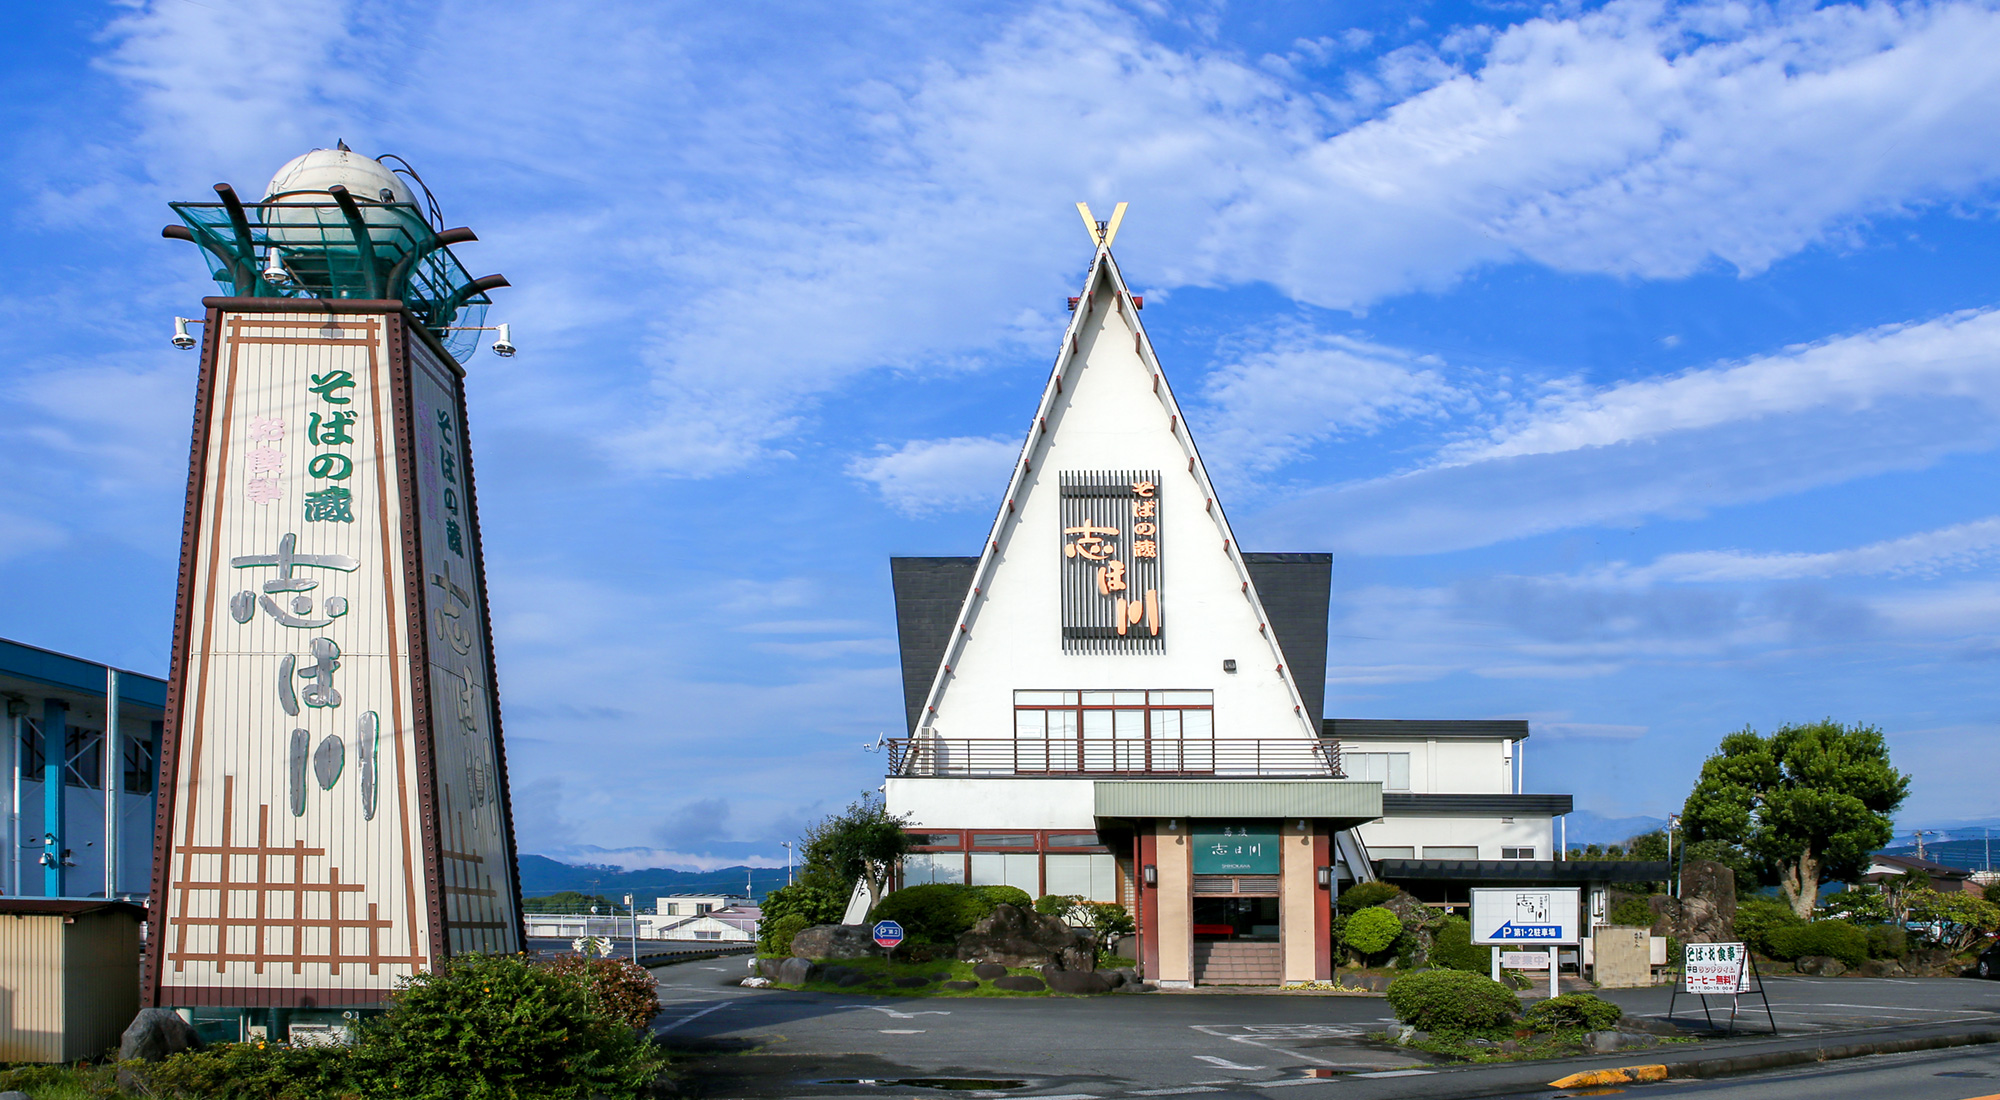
[888, 933]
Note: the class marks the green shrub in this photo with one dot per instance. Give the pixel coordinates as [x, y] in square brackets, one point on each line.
[775, 936]
[1372, 930]
[818, 896]
[1452, 948]
[1888, 941]
[1004, 895]
[254, 1071]
[1632, 913]
[1451, 1001]
[1573, 1012]
[488, 1027]
[1837, 938]
[1108, 919]
[1756, 917]
[1057, 905]
[1361, 895]
[623, 989]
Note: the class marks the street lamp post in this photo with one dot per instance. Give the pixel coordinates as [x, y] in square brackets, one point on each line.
[788, 860]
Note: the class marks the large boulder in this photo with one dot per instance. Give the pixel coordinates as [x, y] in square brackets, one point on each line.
[1420, 920]
[989, 971]
[1820, 966]
[1020, 983]
[1012, 937]
[836, 941]
[1706, 910]
[156, 1033]
[1881, 968]
[1081, 982]
[796, 971]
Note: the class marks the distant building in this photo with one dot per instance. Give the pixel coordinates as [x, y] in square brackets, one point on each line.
[694, 905]
[1945, 880]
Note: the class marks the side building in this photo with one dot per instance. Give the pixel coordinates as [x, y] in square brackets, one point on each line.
[1115, 700]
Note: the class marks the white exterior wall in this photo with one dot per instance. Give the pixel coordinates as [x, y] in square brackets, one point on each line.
[1111, 416]
[995, 803]
[1489, 834]
[1453, 766]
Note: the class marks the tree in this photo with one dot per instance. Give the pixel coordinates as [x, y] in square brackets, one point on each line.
[1957, 920]
[864, 841]
[1808, 803]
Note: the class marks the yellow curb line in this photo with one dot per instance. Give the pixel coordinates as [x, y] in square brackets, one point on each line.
[1619, 1076]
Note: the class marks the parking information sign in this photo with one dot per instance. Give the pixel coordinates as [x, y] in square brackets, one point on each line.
[1526, 915]
[1713, 968]
[888, 933]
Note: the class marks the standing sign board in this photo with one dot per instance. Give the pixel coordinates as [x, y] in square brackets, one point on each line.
[1536, 915]
[1713, 968]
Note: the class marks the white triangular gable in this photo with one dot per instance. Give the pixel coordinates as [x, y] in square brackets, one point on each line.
[1108, 407]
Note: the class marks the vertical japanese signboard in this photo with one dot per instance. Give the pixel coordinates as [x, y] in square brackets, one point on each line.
[1111, 561]
[315, 843]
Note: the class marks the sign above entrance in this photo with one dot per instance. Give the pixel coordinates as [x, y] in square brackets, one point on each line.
[1235, 849]
[1111, 561]
[1526, 915]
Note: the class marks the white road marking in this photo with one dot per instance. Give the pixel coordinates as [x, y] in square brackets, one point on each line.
[1398, 1073]
[1871, 1008]
[1174, 1091]
[694, 1016]
[1223, 1063]
[898, 1014]
[1217, 1031]
[902, 1031]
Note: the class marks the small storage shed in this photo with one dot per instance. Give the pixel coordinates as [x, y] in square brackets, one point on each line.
[69, 976]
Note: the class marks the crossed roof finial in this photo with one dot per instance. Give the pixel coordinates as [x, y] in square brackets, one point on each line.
[1101, 233]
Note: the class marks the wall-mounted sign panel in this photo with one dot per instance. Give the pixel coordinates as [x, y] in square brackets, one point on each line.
[1111, 548]
[333, 813]
[1526, 915]
[1232, 849]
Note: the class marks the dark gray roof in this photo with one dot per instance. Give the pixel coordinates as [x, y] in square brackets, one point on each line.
[1505, 805]
[1533, 871]
[929, 593]
[61, 670]
[1294, 589]
[1422, 729]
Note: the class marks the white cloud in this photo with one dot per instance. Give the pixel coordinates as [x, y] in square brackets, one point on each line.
[1273, 402]
[1960, 546]
[937, 475]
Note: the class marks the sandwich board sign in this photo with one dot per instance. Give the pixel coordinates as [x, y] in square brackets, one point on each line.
[1527, 915]
[1713, 968]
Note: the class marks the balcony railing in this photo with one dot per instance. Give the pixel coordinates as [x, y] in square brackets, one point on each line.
[1229, 758]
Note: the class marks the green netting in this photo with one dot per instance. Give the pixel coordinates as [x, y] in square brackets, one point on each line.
[396, 256]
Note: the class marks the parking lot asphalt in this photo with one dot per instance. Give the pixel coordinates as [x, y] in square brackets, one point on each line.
[764, 1043]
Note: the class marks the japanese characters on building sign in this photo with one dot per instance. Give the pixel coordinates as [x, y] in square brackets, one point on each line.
[1111, 552]
[291, 588]
[1235, 849]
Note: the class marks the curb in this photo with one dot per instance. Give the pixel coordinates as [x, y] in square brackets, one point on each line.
[1778, 1059]
[669, 958]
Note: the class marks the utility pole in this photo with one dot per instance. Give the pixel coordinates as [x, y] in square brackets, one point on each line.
[788, 858]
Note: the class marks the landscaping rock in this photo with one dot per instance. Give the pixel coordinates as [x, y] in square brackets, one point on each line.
[1019, 983]
[960, 987]
[1603, 1042]
[1511, 1046]
[1930, 962]
[155, 1034]
[837, 941]
[1820, 966]
[833, 972]
[1706, 910]
[941, 976]
[989, 971]
[1881, 968]
[1083, 982]
[1130, 977]
[850, 979]
[769, 967]
[1012, 937]
[796, 971]
[10, 1094]
[1114, 979]
[913, 981]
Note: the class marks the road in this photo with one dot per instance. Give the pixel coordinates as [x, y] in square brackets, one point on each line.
[1968, 1073]
[622, 948]
[760, 1043]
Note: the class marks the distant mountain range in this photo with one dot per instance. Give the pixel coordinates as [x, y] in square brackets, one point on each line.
[1589, 828]
[541, 876]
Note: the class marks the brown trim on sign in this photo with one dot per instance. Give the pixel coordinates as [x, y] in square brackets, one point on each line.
[417, 618]
[1322, 849]
[166, 784]
[506, 814]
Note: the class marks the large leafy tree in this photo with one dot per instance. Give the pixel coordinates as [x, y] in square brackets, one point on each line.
[863, 841]
[1807, 803]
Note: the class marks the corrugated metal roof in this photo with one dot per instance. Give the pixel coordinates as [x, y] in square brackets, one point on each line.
[1358, 800]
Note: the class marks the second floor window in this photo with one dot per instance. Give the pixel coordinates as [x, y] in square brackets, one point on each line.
[1114, 715]
[1391, 769]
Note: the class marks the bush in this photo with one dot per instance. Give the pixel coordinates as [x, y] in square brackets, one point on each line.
[247, 1071]
[937, 913]
[1632, 913]
[818, 897]
[1057, 905]
[623, 989]
[1108, 919]
[1452, 1001]
[1372, 930]
[775, 936]
[1361, 895]
[1004, 895]
[1837, 938]
[1756, 917]
[1452, 948]
[1888, 941]
[492, 1026]
[1573, 1012]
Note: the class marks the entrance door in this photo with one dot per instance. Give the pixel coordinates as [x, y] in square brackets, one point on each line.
[1236, 939]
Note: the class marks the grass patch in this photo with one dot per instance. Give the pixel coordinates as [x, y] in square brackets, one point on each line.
[888, 970]
[1534, 1045]
[52, 1082]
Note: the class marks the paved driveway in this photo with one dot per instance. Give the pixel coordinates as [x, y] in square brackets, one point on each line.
[754, 1043]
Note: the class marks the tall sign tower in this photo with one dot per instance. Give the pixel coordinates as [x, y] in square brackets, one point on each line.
[334, 806]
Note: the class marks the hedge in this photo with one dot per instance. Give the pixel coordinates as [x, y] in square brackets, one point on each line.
[1452, 948]
[1838, 938]
[938, 913]
[1452, 1001]
[1574, 1011]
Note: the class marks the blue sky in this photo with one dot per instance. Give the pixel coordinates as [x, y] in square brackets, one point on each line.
[1640, 363]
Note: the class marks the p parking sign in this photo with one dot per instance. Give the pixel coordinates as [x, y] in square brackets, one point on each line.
[888, 934]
